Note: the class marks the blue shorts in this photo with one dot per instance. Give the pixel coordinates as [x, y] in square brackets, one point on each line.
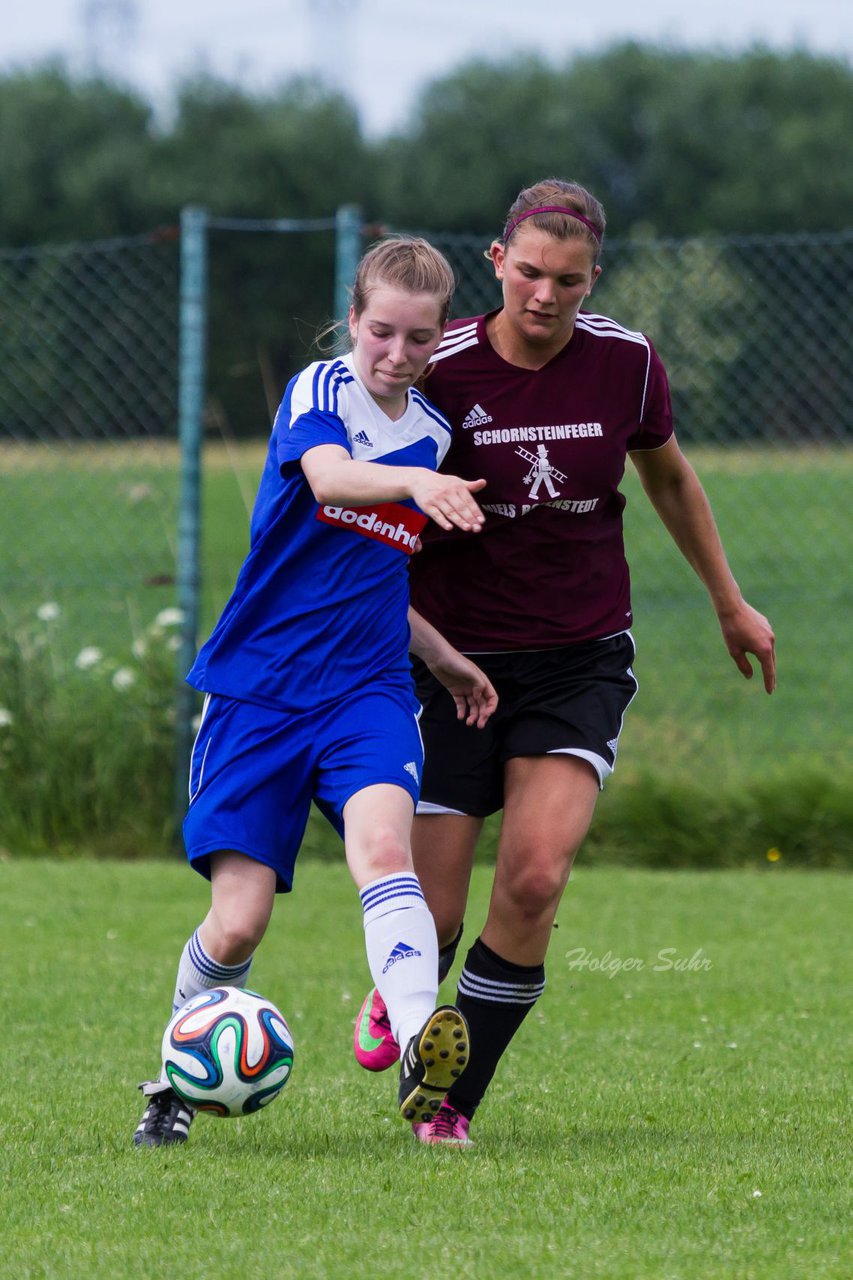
[255, 771]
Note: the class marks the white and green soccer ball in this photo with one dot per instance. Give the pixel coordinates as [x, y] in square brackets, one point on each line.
[228, 1052]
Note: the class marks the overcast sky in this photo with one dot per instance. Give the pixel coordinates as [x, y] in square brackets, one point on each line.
[379, 51]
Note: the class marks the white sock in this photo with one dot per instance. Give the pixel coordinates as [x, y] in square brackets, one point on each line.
[402, 951]
[198, 972]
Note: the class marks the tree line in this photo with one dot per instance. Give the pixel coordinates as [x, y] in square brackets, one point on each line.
[674, 143]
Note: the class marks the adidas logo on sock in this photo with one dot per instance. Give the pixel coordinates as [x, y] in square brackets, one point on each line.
[477, 417]
[402, 951]
[361, 437]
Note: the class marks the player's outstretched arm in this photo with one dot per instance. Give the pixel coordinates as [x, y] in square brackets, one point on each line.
[472, 690]
[679, 499]
[337, 478]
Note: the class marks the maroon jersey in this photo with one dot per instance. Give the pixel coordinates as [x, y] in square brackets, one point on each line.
[549, 567]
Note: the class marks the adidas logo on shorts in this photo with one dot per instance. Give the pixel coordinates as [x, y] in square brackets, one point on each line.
[412, 768]
[477, 417]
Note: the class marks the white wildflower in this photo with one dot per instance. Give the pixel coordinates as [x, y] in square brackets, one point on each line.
[139, 648]
[169, 618]
[88, 657]
[48, 611]
[6, 718]
[756, 1195]
[123, 679]
[174, 643]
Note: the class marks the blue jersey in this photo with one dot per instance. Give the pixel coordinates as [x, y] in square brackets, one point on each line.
[320, 605]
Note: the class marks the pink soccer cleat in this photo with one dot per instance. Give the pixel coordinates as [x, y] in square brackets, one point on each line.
[447, 1126]
[373, 1044]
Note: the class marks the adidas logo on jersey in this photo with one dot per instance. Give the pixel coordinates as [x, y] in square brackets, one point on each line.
[412, 768]
[361, 437]
[477, 417]
[402, 951]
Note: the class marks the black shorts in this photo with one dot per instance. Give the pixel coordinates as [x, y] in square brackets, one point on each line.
[570, 700]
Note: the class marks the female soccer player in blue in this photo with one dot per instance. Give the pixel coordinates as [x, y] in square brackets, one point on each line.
[307, 676]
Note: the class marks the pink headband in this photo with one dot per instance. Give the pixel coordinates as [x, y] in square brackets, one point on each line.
[552, 208]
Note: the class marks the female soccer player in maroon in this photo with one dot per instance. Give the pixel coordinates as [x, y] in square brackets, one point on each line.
[546, 402]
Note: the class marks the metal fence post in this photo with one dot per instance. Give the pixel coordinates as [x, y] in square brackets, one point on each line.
[347, 254]
[191, 397]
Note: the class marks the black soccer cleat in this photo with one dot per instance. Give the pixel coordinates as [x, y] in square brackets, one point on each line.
[166, 1119]
[434, 1059]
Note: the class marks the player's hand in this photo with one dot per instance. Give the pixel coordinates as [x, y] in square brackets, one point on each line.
[472, 690]
[448, 500]
[746, 631]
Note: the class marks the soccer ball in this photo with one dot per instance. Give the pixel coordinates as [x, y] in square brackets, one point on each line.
[228, 1052]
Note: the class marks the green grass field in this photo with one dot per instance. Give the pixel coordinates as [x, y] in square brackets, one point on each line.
[100, 539]
[675, 1108]
[782, 516]
[711, 771]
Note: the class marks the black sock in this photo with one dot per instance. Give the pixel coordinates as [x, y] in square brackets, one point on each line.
[447, 955]
[495, 996]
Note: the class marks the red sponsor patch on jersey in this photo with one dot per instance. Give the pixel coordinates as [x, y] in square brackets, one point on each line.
[388, 522]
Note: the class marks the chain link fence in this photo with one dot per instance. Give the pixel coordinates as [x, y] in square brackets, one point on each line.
[757, 337]
[88, 471]
[755, 331]
[756, 334]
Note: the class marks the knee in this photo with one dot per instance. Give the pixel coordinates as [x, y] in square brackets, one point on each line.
[234, 935]
[381, 852]
[533, 889]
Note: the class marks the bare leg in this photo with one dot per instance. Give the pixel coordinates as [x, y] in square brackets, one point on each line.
[377, 832]
[242, 898]
[548, 806]
[443, 847]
